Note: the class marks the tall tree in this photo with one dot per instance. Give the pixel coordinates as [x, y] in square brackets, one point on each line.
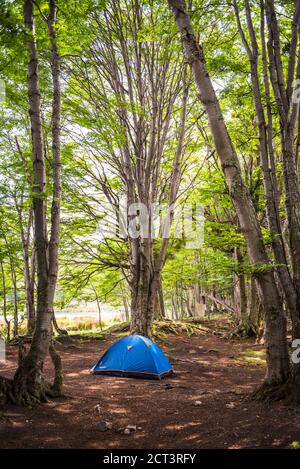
[286, 106]
[29, 385]
[276, 344]
[135, 86]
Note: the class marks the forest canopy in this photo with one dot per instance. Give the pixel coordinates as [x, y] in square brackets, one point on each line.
[149, 156]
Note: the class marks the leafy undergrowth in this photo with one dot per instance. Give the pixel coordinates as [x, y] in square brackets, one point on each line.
[160, 330]
[87, 328]
[295, 445]
[253, 357]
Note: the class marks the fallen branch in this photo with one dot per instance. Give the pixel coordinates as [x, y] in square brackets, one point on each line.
[222, 303]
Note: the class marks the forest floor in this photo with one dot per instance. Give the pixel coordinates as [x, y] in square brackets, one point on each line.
[218, 372]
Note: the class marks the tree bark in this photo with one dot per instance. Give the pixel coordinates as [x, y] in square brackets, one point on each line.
[254, 307]
[245, 328]
[28, 380]
[241, 285]
[28, 275]
[29, 385]
[15, 296]
[161, 301]
[144, 291]
[289, 116]
[29, 264]
[267, 156]
[5, 301]
[56, 158]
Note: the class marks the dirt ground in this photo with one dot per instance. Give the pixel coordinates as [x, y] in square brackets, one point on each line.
[219, 373]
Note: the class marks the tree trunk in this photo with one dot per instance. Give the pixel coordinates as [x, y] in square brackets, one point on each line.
[247, 326]
[32, 289]
[240, 290]
[15, 295]
[276, 344]
[29, 264]
[144, 290]
[5, 301]
[29, 385]
[125, 303]
[254, 307]
[56, 159]
[160, 312]
[99, 313]
[174, 308]
[289, 113]
[14, 284]
[267, 157]
[142, 312]
[28, 276]
[28, 380]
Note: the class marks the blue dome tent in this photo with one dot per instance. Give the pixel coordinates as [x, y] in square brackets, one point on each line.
[134, 356]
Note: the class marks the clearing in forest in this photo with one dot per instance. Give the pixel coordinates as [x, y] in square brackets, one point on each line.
[204, 406]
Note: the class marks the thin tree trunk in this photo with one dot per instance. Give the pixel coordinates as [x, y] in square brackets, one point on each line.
[254, 309]
[25, 238]
[28, 381]
[29, 287]
[267, 158]
[14, 283]
[56, 159]
[126, 309]
[245, 327]
[241, 285]
[98, 302]
[5, 301]
[161, 301]
[15, 295]
[125, 303]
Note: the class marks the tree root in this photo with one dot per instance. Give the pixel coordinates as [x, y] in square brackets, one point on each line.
[28, 387]
[288, 392]
[18, 394]
[54, 393]
[6, 391]
[56, 326]
[244, 330]
[12, 393]
[21, 391]
[25, 339]
[268, 393]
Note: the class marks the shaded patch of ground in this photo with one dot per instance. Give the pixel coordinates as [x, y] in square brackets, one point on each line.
[209, 369]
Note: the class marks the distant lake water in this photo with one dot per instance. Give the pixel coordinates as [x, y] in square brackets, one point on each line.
[108, 313]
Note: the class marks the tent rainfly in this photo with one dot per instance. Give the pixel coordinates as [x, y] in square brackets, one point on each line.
[134, 356]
